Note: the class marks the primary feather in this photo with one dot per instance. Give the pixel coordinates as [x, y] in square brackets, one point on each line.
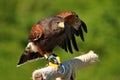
[48, 33]
[74, 26]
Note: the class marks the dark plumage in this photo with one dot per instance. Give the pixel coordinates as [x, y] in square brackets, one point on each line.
[48, 33]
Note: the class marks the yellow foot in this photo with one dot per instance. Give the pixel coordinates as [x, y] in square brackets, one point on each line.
[53, 65]
[59, 67]
[54, 60]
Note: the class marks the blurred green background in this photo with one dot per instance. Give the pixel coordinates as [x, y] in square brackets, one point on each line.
[101, 16]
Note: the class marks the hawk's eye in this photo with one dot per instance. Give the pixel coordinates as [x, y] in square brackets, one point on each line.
[57, 23]
[77, 16]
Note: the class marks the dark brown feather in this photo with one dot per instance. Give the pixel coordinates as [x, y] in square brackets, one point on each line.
[46, 35]
[84, 26]
[74, 43]
[81, 33]
[69, 45]
[74, 26]
[63, 45]
[28, 57]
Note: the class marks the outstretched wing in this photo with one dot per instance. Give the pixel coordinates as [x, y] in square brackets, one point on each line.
[74, 26]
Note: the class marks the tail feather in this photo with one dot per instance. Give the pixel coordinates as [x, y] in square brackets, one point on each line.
[28, 57]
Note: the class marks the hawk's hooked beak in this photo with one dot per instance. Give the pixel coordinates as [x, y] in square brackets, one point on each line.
[61, 24]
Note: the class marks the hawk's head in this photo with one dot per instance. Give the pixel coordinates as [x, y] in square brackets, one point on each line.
[56, 24]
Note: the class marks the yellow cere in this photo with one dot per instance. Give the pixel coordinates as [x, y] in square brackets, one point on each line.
[61, 24]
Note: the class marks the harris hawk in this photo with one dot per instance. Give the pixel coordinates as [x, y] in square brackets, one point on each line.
[46, 34]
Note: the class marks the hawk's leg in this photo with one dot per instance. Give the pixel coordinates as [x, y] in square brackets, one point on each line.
[54, 60]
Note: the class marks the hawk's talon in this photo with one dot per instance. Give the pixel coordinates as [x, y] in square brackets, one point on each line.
[54, 60]
[56, 66]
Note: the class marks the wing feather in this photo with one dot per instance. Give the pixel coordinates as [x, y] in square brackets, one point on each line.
[69, 45]
[74, 26]
[81, 33]
[74, 43]
[36, 32]
[84, 26]
[63, 45]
